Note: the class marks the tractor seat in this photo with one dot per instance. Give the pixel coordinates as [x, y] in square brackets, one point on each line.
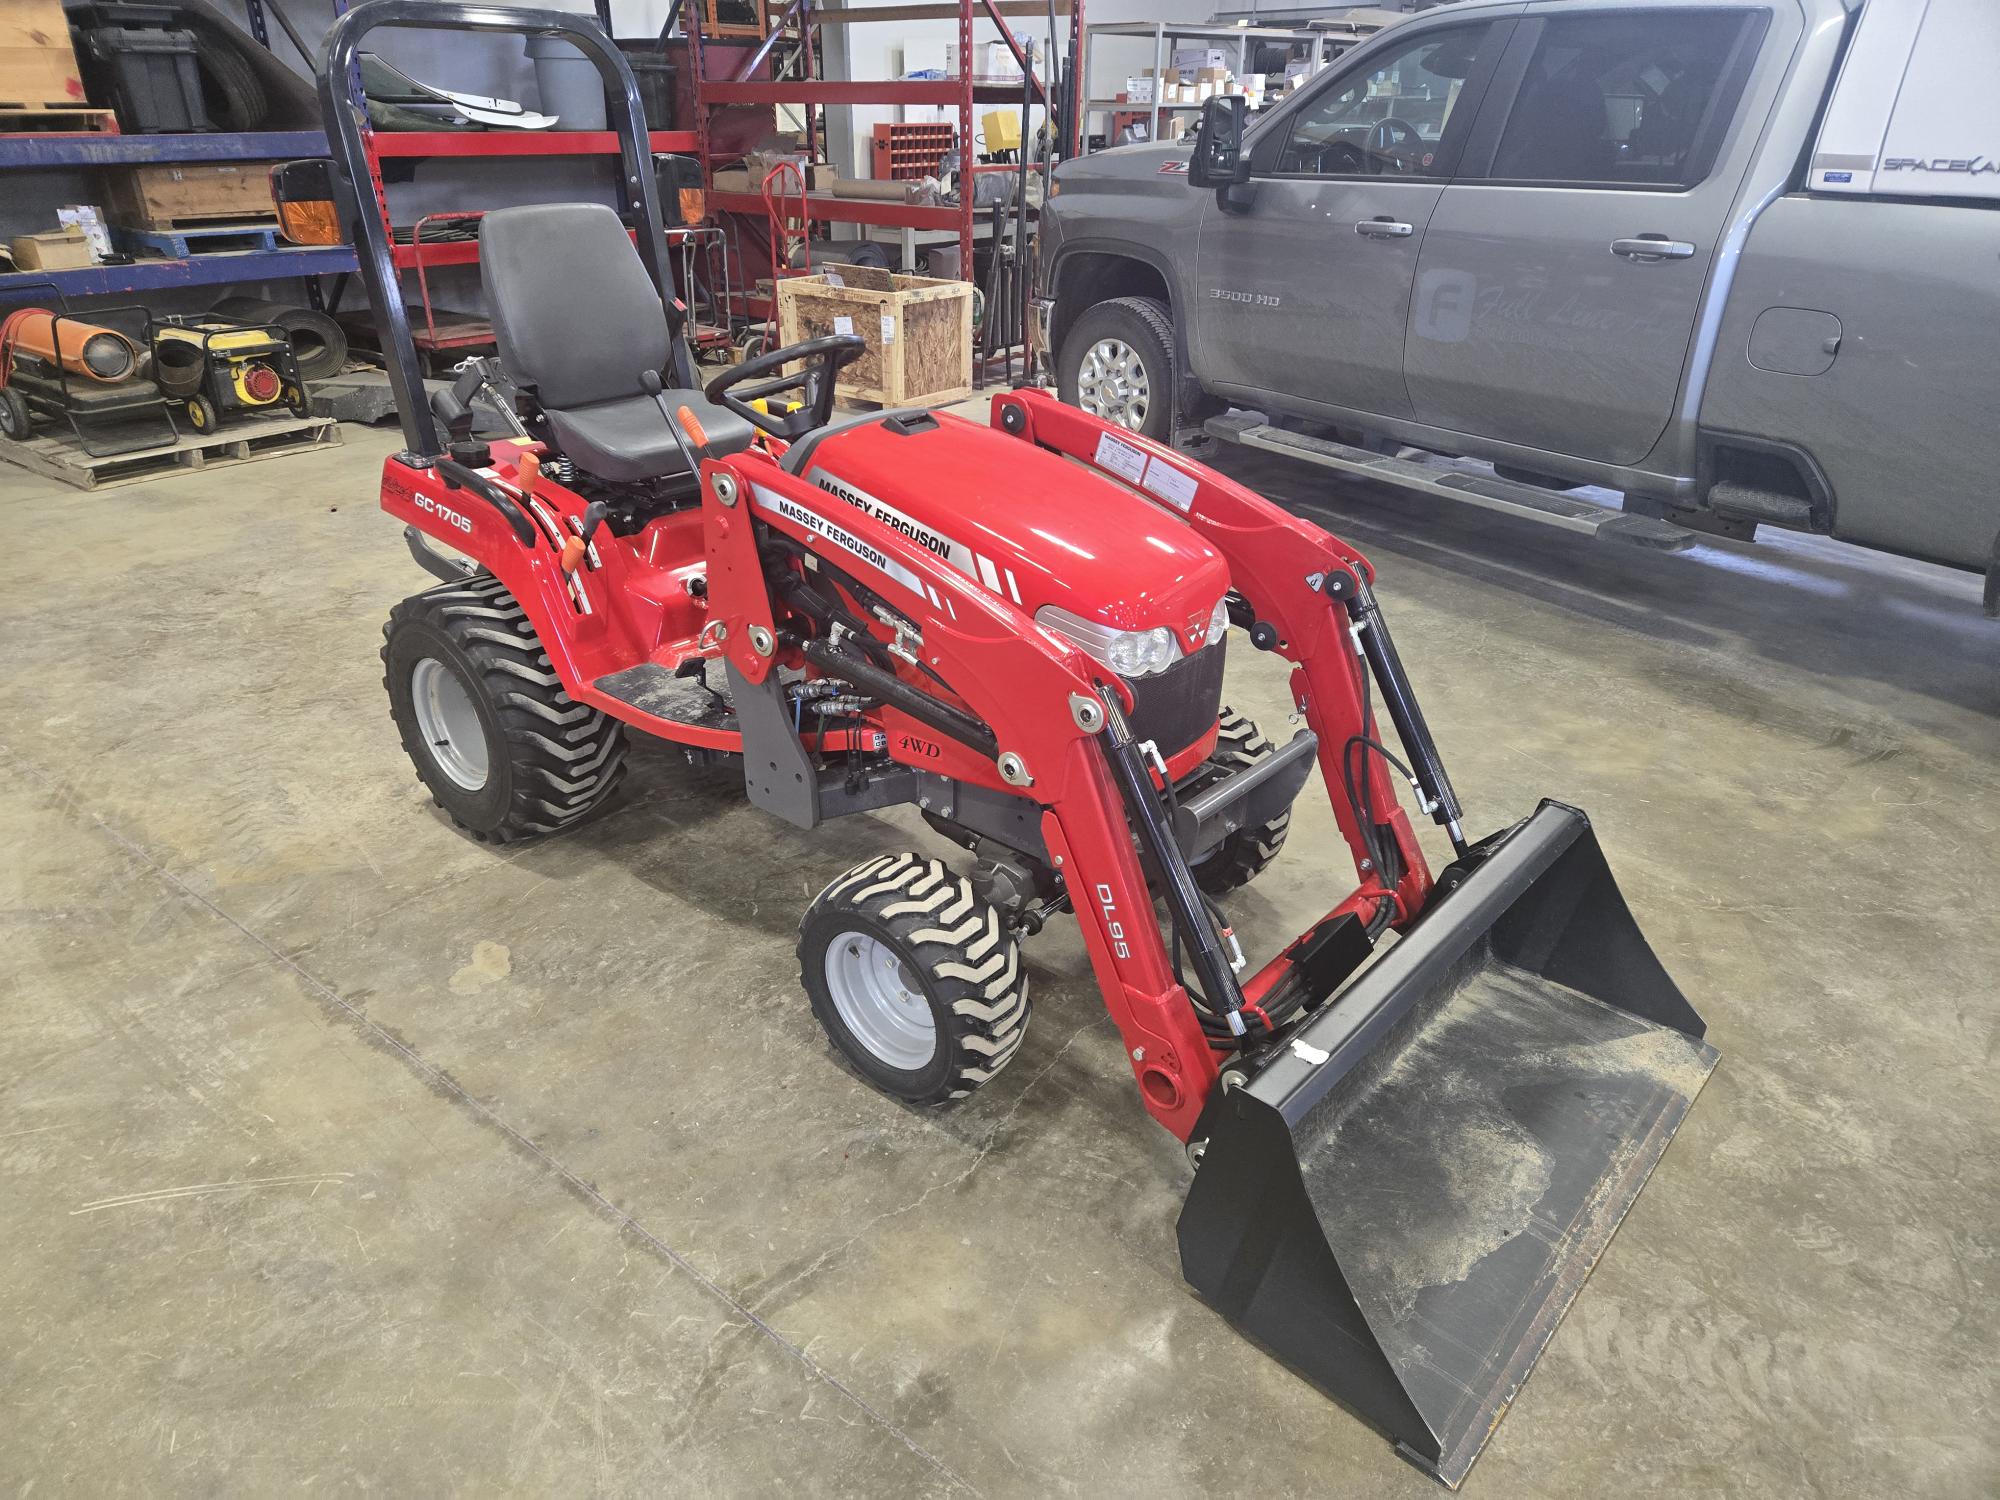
[580, 324]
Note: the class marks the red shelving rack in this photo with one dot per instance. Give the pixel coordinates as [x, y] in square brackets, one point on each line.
[962, 92]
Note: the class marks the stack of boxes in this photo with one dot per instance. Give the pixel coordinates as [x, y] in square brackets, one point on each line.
[1201, 73]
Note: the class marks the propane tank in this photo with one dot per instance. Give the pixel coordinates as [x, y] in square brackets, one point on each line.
[84, 349]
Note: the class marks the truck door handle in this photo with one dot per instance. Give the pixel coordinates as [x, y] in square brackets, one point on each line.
[1652, 247]
[1382, 227]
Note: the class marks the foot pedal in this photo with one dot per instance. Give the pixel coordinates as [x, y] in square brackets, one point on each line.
[653, 689]
[1489, 491]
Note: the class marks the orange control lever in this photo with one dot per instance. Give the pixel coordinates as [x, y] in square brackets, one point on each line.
[692, 428]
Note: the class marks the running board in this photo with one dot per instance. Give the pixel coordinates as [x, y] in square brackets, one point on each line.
[1551, 508]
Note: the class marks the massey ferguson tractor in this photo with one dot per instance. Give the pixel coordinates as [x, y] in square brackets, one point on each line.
[1412, 1130]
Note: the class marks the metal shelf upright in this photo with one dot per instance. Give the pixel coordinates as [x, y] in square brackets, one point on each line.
[961, 92]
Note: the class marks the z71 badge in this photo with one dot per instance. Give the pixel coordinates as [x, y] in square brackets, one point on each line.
[1178, 168]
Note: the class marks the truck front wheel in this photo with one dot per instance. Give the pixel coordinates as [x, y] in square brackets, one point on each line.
[1117, 363]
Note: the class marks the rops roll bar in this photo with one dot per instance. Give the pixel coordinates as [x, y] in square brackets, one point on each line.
[367, 223]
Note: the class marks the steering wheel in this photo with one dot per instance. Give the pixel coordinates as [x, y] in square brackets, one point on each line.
[823, 359]
[1387, 138]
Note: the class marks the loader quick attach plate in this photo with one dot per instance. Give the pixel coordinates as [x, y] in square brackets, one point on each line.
[1402, 1204]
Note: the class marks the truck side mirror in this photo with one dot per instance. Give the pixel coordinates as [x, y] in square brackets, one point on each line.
[1218, 160]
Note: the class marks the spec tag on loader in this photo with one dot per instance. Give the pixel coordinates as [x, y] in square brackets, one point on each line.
[1402, 1203]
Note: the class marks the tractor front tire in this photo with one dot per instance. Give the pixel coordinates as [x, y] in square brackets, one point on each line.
[502, 748]
[1247, 853]
[917, 982]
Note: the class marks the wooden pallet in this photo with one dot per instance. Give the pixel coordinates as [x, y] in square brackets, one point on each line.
[239, 440]
[179, 244]
[18, 119]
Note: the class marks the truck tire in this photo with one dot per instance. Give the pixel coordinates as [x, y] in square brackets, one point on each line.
[1118, 363]
[916, 981]
[1247, 853]
[503, 749]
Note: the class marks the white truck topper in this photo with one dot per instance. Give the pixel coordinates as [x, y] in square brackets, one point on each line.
[1912, 114]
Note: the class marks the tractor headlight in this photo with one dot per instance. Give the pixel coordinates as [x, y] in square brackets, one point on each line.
[1218, 623]
[1129, 653]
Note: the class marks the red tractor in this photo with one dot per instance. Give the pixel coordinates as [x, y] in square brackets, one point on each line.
[1021, 628]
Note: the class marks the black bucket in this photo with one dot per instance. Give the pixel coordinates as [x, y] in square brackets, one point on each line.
[1402, 1203]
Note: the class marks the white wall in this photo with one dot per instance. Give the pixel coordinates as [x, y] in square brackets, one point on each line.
[875, 50]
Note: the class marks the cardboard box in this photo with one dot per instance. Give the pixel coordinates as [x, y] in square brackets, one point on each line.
[51, 250]
[1200, 57]
[990, 60]
[90, 219]
[1139, 90]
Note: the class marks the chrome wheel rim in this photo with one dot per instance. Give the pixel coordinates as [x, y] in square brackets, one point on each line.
[1111, 383]
[880, 1001]
[448, 720]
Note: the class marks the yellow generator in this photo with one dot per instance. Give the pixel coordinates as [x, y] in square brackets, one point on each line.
[213, 369]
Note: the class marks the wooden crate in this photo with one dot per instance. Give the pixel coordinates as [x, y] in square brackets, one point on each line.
[918, 331]
[163, 196]
[37, 64]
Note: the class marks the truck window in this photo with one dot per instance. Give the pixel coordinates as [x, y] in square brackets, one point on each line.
[1625, 98]
[1390, 118]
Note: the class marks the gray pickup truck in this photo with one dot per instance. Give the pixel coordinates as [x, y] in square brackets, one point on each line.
[1737, 259]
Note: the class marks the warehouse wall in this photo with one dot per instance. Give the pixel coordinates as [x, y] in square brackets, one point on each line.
[880, 51]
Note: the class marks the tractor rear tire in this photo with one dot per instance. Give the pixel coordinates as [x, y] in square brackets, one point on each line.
[917, 982]
[502, 748]
[1247, 853]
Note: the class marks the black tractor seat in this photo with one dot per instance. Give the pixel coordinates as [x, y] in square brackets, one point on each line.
[580, 325]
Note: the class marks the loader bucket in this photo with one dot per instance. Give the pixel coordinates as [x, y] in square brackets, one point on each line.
[1401, 1204]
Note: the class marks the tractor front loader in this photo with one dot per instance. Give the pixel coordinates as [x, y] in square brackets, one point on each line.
[1413, 1129]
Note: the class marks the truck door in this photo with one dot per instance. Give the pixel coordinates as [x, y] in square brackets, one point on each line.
[1562, 273]
[1302, 284]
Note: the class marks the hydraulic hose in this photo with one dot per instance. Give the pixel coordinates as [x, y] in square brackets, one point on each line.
[895, 692]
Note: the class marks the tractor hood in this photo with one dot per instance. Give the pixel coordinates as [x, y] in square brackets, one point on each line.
[1029, 526]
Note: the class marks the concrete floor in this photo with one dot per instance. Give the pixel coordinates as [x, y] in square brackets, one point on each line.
[339, 1152]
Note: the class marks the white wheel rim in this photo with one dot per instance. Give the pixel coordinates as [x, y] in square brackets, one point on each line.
[448, 720]
[880, 1001]
[1111, 383]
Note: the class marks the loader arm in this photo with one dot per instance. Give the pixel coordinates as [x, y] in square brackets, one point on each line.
[1034, 691]
[1288, 571]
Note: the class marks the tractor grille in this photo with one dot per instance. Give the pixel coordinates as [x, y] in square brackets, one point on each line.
[1176, 707]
